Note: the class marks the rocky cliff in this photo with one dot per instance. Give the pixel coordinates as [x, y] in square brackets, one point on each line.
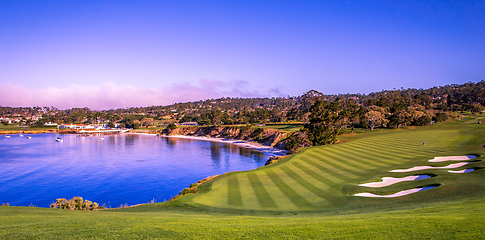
[268, 137]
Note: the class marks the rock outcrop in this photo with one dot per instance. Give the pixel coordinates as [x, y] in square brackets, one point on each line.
[267, 137]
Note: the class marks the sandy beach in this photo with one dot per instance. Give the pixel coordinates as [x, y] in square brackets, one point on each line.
[240, 143]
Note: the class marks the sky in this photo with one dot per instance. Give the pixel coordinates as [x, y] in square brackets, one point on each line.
[107, 54]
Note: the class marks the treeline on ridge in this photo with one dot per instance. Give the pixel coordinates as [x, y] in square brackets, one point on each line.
[324, 116]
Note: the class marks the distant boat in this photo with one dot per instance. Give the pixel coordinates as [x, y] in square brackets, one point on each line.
[7, 136]
[20, 133]
[58, 139]
[29, 137]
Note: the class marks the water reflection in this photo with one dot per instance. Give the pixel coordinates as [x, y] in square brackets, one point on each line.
[130, 139]
[215, 154]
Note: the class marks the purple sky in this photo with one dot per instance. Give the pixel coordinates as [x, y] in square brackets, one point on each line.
[109, 54]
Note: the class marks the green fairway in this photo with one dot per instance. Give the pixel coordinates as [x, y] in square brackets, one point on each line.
[326, 177]
[307, 195]
[9, 127]
[285, 127]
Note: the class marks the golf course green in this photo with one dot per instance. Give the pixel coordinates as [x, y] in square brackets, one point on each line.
[306, 195]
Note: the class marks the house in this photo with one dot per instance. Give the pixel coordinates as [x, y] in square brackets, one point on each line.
[76, 126]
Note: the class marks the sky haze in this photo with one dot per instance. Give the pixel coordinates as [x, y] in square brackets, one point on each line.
[116, 54]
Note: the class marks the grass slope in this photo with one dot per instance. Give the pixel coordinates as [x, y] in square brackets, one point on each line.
[326, 177]
[309, 195]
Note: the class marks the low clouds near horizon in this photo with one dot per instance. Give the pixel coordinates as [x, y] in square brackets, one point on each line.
[109, 95]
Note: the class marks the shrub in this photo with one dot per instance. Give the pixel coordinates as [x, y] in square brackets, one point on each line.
[188, 190]
[171, 126]
[245, 127]
[76, 203]
[292, 143]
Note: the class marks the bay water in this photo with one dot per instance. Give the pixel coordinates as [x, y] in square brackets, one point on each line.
[113, 170]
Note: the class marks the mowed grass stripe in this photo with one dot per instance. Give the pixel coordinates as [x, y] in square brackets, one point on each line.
[350, 160]
[404, 145]
[299, 201]
[351, 155]
[387, 153]
[315, 175]
[326, 170]
[375, 156]
[349, 170]
[389, 148]
[417, 139]
[333, 178]
[412, 143]
[396, 140]
[233, 193]
[388, 145]
[375, 152]
[264, 198]
[312, 188]
[249, 199]
[281, 200]
[370, 156]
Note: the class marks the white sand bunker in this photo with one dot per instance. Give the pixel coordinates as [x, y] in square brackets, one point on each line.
[455, 165]
[398, 194]
[462, 171]
[387, 181]
[452, 158]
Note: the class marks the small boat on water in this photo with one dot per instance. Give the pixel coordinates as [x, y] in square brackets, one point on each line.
[7, 136]
[20, 133]
[58, 139]
[29, 137]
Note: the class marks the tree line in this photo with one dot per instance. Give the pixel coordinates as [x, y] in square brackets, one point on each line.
[329, 114]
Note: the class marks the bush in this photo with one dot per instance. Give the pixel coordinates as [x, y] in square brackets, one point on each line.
[292, 143]
[171, 126]
[76, 203]
[257, 132]
[440, 117]
[245, 127]
[188, 190]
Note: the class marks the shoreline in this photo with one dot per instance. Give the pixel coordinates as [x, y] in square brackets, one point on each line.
[240, 143]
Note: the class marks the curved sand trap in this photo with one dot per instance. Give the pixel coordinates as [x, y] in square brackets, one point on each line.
[455, 165]
[398, 194]
[386, 181]
[462, 171]
[452, 158]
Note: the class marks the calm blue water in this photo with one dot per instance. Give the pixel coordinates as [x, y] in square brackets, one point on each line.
[121, 169]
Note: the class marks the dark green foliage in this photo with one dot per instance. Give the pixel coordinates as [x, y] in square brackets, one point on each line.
[323, 126]
[399, 106]
[423, 120]
[440, 117]
[245, 127]
[111, 124]
[257, 133]
[292, 143]
[188, 190]
[76, 203]
[171, 126]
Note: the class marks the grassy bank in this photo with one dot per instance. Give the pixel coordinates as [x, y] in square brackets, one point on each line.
[457, 220]
[307, 195]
